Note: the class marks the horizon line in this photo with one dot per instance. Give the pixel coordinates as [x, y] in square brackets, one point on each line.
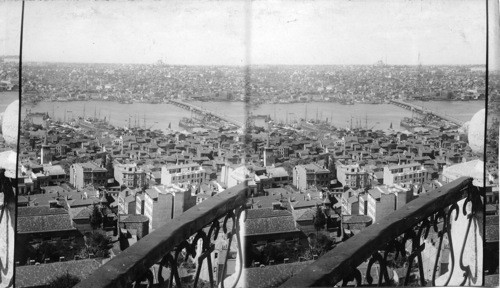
[242, 65]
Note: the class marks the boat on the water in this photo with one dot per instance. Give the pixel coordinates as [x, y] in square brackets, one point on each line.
[188, 123]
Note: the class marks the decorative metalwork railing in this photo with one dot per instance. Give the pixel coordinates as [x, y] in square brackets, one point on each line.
[449, 218]
[7, 228]
[155, 259]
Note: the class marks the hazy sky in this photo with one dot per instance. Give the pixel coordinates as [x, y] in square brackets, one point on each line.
[278, 32]
[10, 23]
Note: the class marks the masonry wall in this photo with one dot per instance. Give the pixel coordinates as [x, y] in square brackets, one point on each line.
[142, 228]
[386, 206]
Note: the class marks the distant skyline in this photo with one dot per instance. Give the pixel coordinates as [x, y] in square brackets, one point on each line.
[337, 32]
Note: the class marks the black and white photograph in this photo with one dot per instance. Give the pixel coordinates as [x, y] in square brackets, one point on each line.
[264, 143]
[10, 40]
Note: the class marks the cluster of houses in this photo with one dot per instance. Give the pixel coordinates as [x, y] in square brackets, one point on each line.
[139, 179]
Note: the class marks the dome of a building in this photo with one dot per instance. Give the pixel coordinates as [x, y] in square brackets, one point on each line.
[476, 132]
[10, 123]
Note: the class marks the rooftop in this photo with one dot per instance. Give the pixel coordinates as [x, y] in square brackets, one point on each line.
[43, 274]
[274, 222]
[44, 223]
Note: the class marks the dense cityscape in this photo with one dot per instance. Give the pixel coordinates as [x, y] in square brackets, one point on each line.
[249, 144]
[156, 83]
[89, 190]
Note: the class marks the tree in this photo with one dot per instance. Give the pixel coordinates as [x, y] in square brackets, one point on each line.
[64, 281]
[319, 219]
[96, 243]
[46, 250]
[318, 247]
[96, 218]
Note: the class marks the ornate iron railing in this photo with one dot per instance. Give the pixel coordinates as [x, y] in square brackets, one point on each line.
[7, 228]
[452, 214]
[192, 234]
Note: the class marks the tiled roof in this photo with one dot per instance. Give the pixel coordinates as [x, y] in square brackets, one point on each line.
[84, 202]
[308, 203]
[91, 166]
[263, 201]
[405, 166]
[270, 225]
[43, 274]
[278, 191]
[265, 213]
[305, 214]
[39, 211]
[82, 212]
[132, 218]
[357, 219]
[44, 223]
[272, 276]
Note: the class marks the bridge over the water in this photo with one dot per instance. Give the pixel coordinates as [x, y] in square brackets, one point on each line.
[205, 112]
[421, 109]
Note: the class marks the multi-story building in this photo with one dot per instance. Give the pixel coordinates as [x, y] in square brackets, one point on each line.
[45, 154]
[127, 201]
[352, 175]
[278, 176]
[55, 173]
[306, 176]
[186, 173]
[383, 200]
[83, 174]
[165, 202]
[129, 175]
[269, 157]
[408, 173]
[234, 174]
[350, 204]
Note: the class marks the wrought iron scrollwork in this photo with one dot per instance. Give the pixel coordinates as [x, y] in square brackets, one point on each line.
[383, 274]
[353, 275]
[474, 200]
[199, 249]
[439, 226]
[7, 222]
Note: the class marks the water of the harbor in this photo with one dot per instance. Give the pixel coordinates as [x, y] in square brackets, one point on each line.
[161, 116]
